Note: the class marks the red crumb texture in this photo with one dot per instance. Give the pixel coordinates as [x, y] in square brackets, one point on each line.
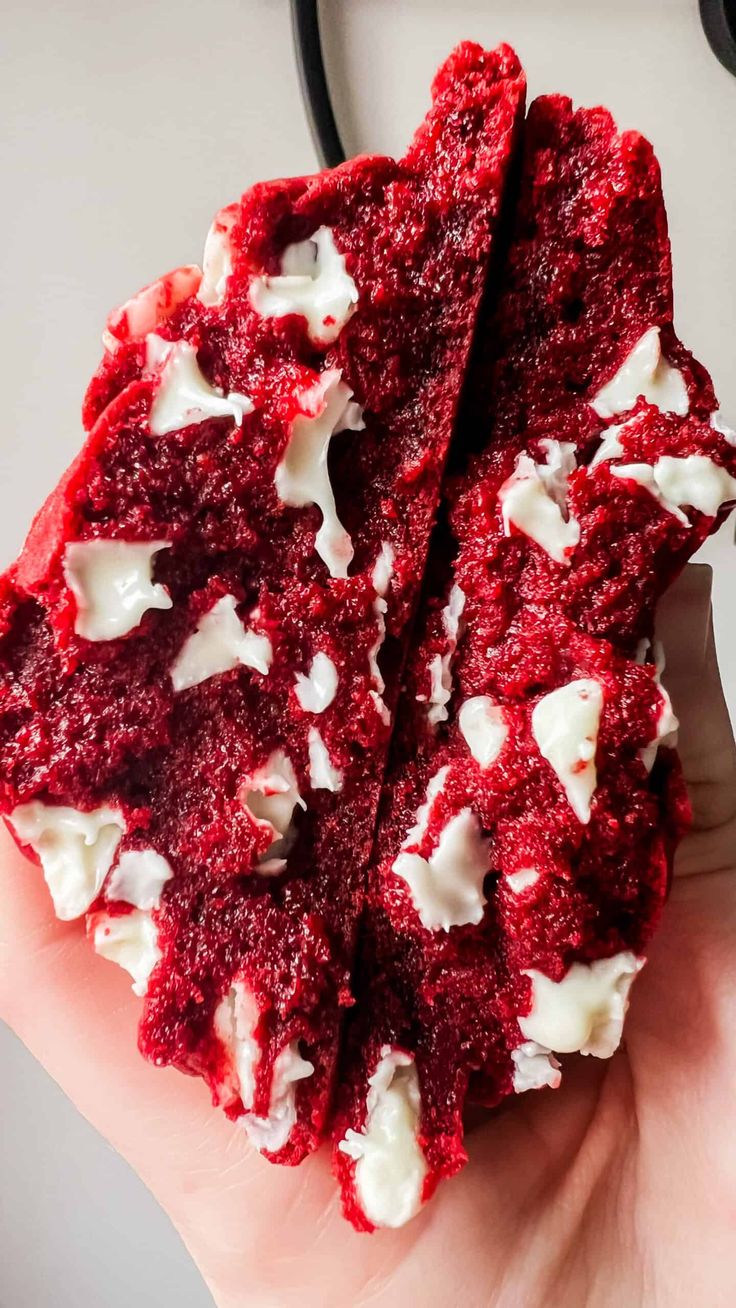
[587, 273]
[86, 724]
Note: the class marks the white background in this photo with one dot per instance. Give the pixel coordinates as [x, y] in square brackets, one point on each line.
[124, 128]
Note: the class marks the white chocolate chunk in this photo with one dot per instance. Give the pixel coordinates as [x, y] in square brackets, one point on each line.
[643, 475]
[131, 941]
[381, 708]
[483, 728]
[665, 733]
[111, 582]
[695, 481]
[314, 283]
[440, 667]
[534, 501]
[645, 371]
[610, 446]
[272, 1132]
[585, 1010]
[76, 850]
[271, 796]
[322, 774]
[152, 306]
[235, 1023]
[390, 1165]
[718, 424]
[434, 788]
[184, 396]
[447, 888]
[303, 477]
[565, 726]
[380, 608]
[522, 880]
[317, 690]
[219, 644]
[217, 263]
[139, 878]
[534, 1067]
[383, 569]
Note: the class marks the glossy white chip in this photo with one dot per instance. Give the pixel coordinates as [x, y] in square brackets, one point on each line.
[314, 283]
[271, 1133]
[138, 878]
[382, 709]
[666, 730]
[131, 941]
[447, 887]
[585, 1010]
[434, 788]
[217, 263]
[390, 1165]
[534, 500]
[565, 726]
[694, 481]
[718, 424]
[380, 608]
[383, 569]
[76, 850]
[219, 643]
[235, 1023]
[322, 774]
[271, 796]
[111, 580]
[318, 688]
[645, 371]
[184, 396]
[303, 476]
[484, 728]
[610, 446]
[440, 668]
[534, 1067]
[522, 880]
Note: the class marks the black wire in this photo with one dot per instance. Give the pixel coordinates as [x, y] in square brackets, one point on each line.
[313, 82]
[718, 18]
[719, 21]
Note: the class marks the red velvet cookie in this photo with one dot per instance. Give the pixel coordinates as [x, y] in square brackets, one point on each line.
[533, 798]
[202, 638]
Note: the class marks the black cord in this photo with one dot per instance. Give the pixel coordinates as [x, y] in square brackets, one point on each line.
[718, 18]
[719, 21]
[313, 82]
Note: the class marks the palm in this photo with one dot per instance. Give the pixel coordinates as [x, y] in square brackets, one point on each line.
[619, 1189]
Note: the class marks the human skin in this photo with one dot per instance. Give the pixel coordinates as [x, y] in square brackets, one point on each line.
[618, 1190]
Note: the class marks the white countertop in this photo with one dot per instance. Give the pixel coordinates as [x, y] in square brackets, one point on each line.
[125, 128]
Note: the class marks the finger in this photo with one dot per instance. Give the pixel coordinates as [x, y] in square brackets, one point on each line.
[683, 621]
[706, 741]
[76, 1014]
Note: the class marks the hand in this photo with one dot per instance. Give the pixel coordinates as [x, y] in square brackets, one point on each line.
[618, 1190]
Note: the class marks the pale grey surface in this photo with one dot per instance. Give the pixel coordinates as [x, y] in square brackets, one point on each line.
[77, 1227]
[125, 127]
